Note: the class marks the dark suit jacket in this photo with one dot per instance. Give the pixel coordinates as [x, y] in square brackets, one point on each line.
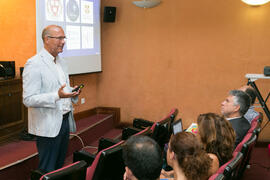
[241, 127]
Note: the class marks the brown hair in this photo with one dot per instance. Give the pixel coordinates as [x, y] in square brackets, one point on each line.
[191, 157]
[217, 136]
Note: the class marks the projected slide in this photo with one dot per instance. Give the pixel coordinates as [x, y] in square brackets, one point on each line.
[81, 22]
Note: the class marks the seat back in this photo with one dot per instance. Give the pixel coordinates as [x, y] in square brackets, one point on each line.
[108, 164]
[162, 129]
[169, 118]
[254, 124]
[222, 168]
[127, 132]
[142, 123]
[246, 151]
[216, 177]
[161, 133]
[232, 169]
[146, 132]
[173, 114]
[257, 130]
[76, 170]
[240, 145]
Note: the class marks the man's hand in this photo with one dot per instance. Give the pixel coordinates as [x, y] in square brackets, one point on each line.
[63, 94]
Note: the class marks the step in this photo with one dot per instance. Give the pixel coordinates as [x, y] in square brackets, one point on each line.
[89, 129]
[20, 157]
[92, 147]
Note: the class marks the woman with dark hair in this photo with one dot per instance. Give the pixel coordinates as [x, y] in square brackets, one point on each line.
[187, 158]
[217, 136]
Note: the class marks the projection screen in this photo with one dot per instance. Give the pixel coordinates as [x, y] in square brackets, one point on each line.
[80, 20]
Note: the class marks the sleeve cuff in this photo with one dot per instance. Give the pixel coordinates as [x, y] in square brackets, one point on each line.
[56, 96]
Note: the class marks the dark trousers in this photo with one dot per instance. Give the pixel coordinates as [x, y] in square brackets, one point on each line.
[52, 151]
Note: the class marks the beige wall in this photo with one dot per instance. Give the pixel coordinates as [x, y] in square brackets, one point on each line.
[183, 54]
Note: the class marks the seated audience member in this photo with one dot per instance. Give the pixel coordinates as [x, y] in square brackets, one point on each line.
[143, 158]
[251, 113]
[187, 157]
[217, 137]
[233, 108]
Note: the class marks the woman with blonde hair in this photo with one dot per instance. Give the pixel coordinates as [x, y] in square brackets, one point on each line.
[217, 136]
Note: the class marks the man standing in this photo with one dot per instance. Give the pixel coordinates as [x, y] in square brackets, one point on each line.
[143, 158]
[233, 108]
[48, 96]
[251, 113]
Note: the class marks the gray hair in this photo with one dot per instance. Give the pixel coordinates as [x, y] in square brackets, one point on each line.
[242, 99]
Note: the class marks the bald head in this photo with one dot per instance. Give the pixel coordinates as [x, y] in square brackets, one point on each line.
[47, 31]
[53, 37]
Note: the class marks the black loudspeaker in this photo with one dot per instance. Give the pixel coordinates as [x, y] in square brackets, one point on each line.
[7, 69]
[266, 71]
[109, 14]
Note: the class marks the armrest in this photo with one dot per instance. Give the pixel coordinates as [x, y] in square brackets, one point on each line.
[105, 143]
[129, 131]
[141, 123]
[36, 174]
[83, 155]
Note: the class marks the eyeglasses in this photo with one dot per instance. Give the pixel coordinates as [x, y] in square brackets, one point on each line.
[59, 38]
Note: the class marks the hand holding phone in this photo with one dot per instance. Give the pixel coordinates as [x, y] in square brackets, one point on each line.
[78, 88]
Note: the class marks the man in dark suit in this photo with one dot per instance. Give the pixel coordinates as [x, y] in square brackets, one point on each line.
[233, 108]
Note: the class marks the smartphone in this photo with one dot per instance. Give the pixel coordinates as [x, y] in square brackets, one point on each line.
[77, 88]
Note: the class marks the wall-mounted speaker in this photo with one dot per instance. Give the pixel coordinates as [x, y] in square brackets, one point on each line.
[7, 69]
[109, 14]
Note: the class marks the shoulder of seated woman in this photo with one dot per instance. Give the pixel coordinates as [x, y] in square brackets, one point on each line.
[215, 163]
[213, 157]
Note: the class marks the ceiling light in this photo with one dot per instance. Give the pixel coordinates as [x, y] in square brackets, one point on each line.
[255, 2]
[147, 3]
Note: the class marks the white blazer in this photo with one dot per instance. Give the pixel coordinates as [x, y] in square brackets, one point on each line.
[40, 94]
